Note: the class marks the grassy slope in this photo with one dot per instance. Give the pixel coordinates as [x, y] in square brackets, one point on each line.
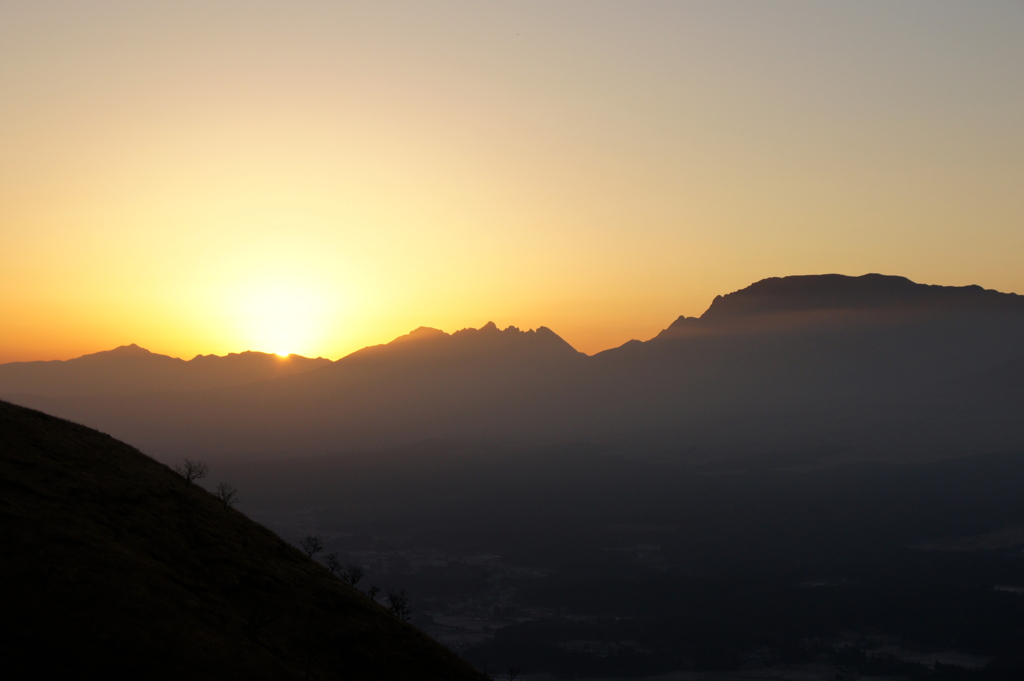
[111, 563]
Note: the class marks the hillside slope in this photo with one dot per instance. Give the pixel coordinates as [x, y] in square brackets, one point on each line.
[113, 565]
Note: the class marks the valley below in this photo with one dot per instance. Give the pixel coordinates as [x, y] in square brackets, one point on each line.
[641, 569]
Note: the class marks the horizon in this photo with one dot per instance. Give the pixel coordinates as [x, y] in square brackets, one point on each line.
[205, 177]
[295, 354]
[499, 327]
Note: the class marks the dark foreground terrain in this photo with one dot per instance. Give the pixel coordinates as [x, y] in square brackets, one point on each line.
[114, 567]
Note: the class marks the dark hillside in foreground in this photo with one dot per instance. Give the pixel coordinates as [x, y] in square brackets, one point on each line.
[114, 567]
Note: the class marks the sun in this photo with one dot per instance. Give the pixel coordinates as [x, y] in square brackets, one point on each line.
[280, 318]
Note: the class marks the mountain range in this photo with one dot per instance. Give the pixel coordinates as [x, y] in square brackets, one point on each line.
[130, 369]
[824, 367]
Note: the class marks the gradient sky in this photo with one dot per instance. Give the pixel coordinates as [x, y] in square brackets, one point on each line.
[314, 177]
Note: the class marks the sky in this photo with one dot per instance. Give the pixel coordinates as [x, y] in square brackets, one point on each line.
[315, 177]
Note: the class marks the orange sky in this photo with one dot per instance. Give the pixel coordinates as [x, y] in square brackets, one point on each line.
[211, 177]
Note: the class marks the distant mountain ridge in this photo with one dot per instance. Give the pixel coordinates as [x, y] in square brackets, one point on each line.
[771, 296]
[833, 294]
[486, 342]
[873, 366]
[131, 350]
[132, 369]
[866, 292]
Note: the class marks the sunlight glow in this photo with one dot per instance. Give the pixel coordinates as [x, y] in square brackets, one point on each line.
[319, 180]
[283, 318]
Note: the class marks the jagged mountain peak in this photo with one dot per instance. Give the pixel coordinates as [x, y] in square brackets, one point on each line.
[487, 341]
[541, 339]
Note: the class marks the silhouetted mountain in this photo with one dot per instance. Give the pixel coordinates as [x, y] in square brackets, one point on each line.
[114, 567]
[834, 296]
[867, 292]
[131, 369]
[488, 343]
[854, 370]
[845, 367]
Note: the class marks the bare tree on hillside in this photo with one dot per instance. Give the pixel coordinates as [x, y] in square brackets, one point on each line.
[312, 544]
[398, 604]
[191, 470]
[332, 563]
[227, 494]
[352, 574]
[372, 592]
